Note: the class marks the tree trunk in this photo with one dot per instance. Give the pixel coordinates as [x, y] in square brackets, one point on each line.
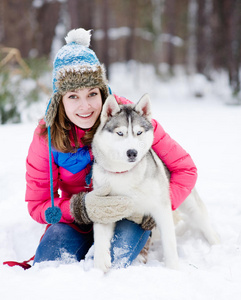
[130, 40]
[204, 34]
[16, 29]
[157, 7]
[192, 38]
[81, 13]
[106, 44]
[47, 17]
[229, 17]
[171, 28]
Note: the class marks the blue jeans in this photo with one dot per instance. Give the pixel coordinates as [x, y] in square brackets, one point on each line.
[127, 242]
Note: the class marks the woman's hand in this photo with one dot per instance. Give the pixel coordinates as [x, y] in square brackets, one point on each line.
[97, 206]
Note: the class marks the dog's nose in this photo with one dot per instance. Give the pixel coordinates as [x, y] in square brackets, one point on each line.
[132, 154]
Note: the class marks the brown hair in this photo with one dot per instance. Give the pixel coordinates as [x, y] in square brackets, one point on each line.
[61, 128]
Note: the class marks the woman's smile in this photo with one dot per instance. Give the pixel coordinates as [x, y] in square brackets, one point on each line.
[85, 116]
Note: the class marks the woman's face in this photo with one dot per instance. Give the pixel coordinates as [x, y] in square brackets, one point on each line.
[83, 106]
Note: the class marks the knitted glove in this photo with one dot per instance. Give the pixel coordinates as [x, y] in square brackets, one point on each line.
[148, 223]
[136, 218]
[98, 207]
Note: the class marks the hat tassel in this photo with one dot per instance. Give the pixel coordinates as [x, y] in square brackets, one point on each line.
[53, 214]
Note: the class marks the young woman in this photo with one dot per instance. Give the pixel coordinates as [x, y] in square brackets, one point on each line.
[79, 90]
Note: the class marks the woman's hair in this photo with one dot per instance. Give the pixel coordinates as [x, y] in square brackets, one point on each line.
[62, 128]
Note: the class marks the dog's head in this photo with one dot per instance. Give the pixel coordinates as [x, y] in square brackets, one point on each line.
[125, 134]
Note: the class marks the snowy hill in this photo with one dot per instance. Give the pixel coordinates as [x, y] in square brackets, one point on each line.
[210, 131]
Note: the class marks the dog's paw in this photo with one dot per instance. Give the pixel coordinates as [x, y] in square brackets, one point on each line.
[213, 238]
[102, 261]
[172, 264]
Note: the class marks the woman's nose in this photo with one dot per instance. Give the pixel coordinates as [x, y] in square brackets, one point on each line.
[84, 103]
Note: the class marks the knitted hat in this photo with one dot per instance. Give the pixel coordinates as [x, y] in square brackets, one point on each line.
[75, 66]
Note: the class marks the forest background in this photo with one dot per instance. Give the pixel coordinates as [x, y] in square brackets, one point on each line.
[202, 36]
[186, 55]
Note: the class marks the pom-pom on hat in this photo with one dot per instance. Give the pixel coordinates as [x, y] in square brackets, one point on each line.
[75, 66]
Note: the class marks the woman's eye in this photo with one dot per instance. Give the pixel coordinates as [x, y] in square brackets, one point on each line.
[120, 133]
[92, 94]
[139, 133]
[72, 96]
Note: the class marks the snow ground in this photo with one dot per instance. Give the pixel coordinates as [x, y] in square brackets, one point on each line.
[210, 131]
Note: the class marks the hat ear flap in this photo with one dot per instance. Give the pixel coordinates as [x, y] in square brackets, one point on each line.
[52, 109]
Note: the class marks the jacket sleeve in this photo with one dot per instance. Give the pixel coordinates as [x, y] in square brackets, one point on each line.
[122, 100]
[38, 182]
[183, 172]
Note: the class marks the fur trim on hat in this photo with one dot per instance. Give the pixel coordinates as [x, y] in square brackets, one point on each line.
[83, 78]
[52, 109]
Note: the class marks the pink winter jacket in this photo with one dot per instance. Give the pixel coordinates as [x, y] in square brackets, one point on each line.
[68, 180]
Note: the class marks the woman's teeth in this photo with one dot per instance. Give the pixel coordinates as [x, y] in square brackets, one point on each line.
[84, 116]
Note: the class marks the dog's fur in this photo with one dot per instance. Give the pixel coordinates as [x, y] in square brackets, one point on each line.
[125, 161]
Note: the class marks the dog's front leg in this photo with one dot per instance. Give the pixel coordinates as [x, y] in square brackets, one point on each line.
[164, 221]
[103, 234]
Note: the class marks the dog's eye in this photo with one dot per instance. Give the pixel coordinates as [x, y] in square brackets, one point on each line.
[120, 133]
[139, 133]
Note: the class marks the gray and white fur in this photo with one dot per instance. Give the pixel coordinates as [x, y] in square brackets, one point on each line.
[125, 162]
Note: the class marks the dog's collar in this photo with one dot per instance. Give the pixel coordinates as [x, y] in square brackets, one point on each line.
[118, 172]
[112, 171]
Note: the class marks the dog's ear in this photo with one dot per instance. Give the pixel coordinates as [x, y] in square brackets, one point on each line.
[110, 107]
[143, 106]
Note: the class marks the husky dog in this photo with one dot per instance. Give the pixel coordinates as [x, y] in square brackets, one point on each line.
[125, 162]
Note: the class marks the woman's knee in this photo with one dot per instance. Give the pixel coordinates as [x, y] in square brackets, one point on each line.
[61, 239]
[128, 241]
